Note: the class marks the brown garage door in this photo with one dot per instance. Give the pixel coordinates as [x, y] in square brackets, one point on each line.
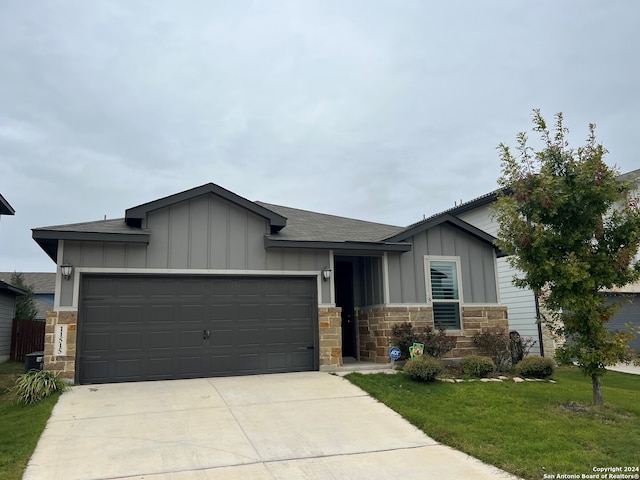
[135, 328]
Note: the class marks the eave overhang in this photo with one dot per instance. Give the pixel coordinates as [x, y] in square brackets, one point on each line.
[10, 288]
[347, 246]
[48, 239]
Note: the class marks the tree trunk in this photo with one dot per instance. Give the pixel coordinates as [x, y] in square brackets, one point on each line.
[597, 389]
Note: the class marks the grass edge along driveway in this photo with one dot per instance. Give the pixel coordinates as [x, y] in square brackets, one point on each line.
[21, 425]
[529, 429]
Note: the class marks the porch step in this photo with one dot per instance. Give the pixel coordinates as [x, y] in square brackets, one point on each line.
[360, 367]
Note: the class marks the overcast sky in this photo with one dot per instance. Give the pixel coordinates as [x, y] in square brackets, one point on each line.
[380, 110]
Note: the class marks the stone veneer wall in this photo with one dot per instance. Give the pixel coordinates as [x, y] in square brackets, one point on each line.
[330, 322]
[65, 365]
[375, 324]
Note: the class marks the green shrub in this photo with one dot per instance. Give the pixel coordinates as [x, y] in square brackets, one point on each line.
[477, 366]
[423, 368]
[536, 367]
[437, 344]
[36, 385]
[505, 348]
[404, 336]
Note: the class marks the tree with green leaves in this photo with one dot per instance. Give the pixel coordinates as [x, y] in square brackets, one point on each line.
[25, 305]
[572, 227]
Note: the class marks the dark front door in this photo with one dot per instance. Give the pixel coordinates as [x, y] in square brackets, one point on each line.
[344, 299]
[136, 328]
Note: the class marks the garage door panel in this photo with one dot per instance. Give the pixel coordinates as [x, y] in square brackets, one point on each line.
[161, 339]
[249, 312]
[160, 314]
[248, 337]
[276, 361]
[301, 358]
[221, 312]
[276, 336]
[97, 342]
[301, 335]
[190, 339]
[126, 341]
[221, 338]
[97, 370]
[128, 369]
[98, 314]
[148, 328]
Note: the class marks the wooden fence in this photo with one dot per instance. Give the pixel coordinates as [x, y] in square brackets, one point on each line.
[27, 336]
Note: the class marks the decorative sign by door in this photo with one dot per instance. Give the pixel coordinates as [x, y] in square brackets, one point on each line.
[394, 353]
[416, 350]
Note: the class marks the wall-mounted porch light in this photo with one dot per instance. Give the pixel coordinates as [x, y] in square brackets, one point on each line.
[326, 273]
[66, 269]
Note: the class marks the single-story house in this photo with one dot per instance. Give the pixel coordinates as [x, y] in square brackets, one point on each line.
[8, 294]
[44, 287]
[207, 283]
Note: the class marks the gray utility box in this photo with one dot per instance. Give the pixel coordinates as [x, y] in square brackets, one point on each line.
[34, 361]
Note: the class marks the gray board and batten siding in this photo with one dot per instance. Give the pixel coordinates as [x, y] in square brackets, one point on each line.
[203, 233]
[407, 280]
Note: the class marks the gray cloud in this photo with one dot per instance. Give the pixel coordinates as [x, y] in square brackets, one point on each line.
[385, 111]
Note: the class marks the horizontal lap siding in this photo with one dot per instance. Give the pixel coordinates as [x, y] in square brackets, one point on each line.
[520, 303]
[7, 310]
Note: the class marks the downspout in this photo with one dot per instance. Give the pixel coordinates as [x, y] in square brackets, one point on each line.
[535, 297]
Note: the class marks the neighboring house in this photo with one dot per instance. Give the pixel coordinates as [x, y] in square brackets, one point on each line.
[521, 302]
[44, 286]
[7, 299]
[8, 296]
[207, 283]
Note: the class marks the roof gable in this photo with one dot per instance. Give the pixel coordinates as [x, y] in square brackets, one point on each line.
[439, 219]
[135, 215]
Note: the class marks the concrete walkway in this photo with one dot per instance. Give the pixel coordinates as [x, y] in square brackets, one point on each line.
[287, 426]
[626, 368]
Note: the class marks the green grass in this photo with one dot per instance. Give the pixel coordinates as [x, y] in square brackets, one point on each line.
[20, 425]
[528, 429]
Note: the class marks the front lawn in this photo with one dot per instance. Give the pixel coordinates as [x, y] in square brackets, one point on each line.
[528, 429]
[20, 426]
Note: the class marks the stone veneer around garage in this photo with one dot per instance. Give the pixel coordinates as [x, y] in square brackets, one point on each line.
[330, 341]
[375, 327]
[65, 365]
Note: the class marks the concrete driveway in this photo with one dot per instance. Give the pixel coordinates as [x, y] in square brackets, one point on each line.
[286, 426]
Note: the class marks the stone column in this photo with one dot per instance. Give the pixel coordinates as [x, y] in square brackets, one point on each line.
[60, 343]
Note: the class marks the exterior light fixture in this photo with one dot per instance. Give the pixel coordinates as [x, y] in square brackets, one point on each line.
[66, 269]
[326, 273]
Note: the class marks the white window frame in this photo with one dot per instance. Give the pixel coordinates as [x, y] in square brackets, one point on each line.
[430, 300]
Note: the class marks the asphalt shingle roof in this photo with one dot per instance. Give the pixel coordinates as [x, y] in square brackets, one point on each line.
[303, 225]
[116, 225]
[42, 282]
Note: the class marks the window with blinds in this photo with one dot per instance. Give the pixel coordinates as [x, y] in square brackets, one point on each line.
[444, 292]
